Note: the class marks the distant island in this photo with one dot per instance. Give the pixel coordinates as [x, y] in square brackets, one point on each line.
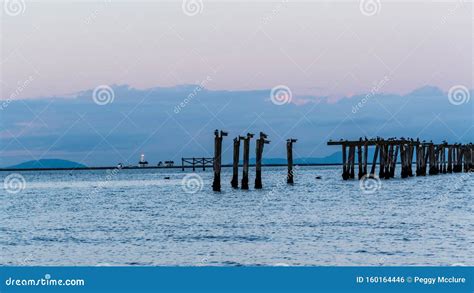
[47, 163]
[59, 164]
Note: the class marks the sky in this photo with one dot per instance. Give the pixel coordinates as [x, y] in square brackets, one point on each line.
[101, 82]
[314, 47]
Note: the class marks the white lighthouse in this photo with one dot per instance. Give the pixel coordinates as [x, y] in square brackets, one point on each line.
[142, 162]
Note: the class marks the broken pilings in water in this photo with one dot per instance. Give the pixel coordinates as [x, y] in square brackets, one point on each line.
[459, 157]
[289, 154]
[218, 135]
[258, 164]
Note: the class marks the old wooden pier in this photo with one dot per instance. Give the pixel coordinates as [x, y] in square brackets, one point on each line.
[260, 142]
[436, 158]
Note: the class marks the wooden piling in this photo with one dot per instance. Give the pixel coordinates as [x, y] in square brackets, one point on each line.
[374, 162]
[235, 163]
[352, 162]
[426, 153]
[394, 162]
[470, 159]
[289, 154]
[450, 160]
[404, 159]
[389, 165]
[382, 161]
[431, 152]
[388, 162]
[458, 159]
[418, 159]
[360, 162]
[466, 159]
[258, 164]
[366, 155]
[245, 175]
[216, 184]
[410, 160]
[345, 168]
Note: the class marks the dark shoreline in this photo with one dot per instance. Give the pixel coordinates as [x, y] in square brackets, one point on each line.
[151, 167]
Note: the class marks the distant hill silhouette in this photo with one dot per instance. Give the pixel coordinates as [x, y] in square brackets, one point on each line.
[48, 163]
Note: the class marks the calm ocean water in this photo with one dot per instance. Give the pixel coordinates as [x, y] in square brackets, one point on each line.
[136, 217]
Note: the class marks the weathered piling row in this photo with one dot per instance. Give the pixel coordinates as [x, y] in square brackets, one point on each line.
[440, 158]
[258, 156]
[218, 135]
[289, 154]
